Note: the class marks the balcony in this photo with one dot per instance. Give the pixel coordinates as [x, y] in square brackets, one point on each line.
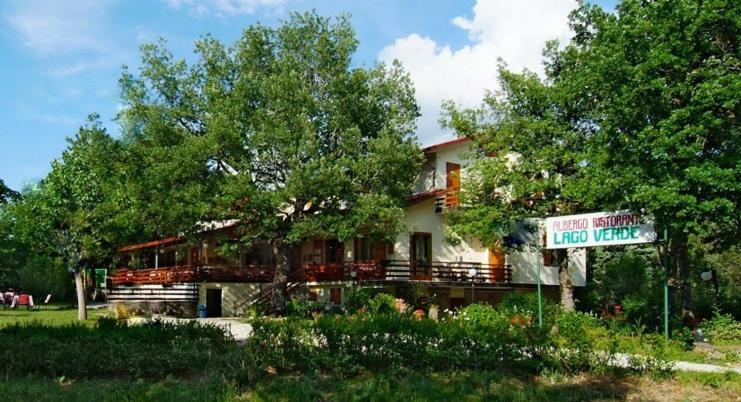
[156, 276]
[389, 271]
[449, 198]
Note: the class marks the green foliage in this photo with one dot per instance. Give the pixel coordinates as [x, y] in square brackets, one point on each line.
[303, 309]
[42, 275]
[637, 111]
[479, 336]
[359, 298]
[722, 327]
[279, 131]
[383, 303]
[152, 350]
[6, 194]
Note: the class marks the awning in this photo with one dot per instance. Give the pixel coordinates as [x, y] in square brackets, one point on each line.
[155, 243]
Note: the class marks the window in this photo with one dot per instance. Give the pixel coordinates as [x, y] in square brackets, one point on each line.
[334, 251]
[368, 250]
[335, 295]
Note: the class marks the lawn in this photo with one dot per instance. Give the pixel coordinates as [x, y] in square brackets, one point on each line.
[52, 315]
[410, 386]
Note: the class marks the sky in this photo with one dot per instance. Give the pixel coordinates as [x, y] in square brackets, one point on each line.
[60, 60]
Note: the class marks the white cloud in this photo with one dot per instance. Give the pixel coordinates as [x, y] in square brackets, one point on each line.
[59, 26]
[72, 36]
[513, 31]
[224, 7]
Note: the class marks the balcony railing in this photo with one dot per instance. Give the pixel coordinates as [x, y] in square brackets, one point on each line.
[450, 198]
[156, 276]
[249, 273]
[359, 271]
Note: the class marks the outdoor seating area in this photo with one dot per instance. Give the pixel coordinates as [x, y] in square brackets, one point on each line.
[13, 299]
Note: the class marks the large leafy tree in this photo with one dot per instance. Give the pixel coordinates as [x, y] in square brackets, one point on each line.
[84, 201]
[292, 139]
[534, 168]
[652, 94]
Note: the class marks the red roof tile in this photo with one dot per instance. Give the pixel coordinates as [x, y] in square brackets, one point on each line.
[435, 147]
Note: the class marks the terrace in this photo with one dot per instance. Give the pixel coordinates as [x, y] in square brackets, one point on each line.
[388, 271]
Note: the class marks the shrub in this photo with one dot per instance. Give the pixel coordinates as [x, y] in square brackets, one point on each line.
[383, 303]
[299, 308]
[573, 342]
[113, 348]
[722, 327]
[360, 298]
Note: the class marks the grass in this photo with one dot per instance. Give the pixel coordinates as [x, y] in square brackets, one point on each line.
[53, 315]
[409, 386]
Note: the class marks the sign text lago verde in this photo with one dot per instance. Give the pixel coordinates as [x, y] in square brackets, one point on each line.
[598, 229]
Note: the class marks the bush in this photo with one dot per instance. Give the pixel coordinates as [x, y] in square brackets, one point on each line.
[722, 327]
[113, 348]
[303, 309]
[360, 298]
[383, 303]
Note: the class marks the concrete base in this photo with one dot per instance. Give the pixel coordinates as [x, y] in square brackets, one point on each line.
[148, 308]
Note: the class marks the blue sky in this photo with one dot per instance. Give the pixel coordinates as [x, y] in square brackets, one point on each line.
[60, 60]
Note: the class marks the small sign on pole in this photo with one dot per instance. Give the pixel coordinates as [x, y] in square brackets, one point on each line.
[598, 229]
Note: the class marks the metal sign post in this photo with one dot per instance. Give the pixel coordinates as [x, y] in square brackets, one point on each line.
[540, 296]
[601, 229]
[666, 283]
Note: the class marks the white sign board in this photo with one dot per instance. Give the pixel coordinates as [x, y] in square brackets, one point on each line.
[598, 229]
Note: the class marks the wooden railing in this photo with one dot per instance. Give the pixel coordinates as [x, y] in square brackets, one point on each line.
[156, 276]
[460, 271]
[448, 199]
[250, 273]
[359, 271]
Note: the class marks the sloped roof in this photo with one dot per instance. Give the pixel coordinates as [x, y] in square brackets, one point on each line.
[441, 145]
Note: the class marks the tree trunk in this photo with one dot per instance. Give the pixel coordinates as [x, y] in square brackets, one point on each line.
[280, 279]
[564, 279]
[81, 304]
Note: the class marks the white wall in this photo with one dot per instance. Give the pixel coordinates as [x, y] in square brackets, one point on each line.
[450, 154]
[233, 296]
[421, 217]
[525, 268]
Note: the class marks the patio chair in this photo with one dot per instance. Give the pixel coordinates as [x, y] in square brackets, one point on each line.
[45, 303]
[25, 299]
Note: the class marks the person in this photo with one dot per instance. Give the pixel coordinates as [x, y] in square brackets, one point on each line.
[8, 296]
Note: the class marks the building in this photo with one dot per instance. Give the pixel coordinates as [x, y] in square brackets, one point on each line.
[177, 273]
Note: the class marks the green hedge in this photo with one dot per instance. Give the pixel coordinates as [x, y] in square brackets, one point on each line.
[151, 350]
[478, 337]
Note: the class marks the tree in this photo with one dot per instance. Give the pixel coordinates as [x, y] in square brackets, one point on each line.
[533, 170]
[6, 194]
[83, 199]
[651, 93]
[663, 80]
[294, 141]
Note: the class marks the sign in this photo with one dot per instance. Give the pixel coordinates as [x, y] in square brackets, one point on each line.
[100, 277]
[598, 229]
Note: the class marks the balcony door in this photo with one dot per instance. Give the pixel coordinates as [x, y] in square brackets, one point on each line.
[496, 265]
[420, 263]
[452, 184]
[370, 250]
